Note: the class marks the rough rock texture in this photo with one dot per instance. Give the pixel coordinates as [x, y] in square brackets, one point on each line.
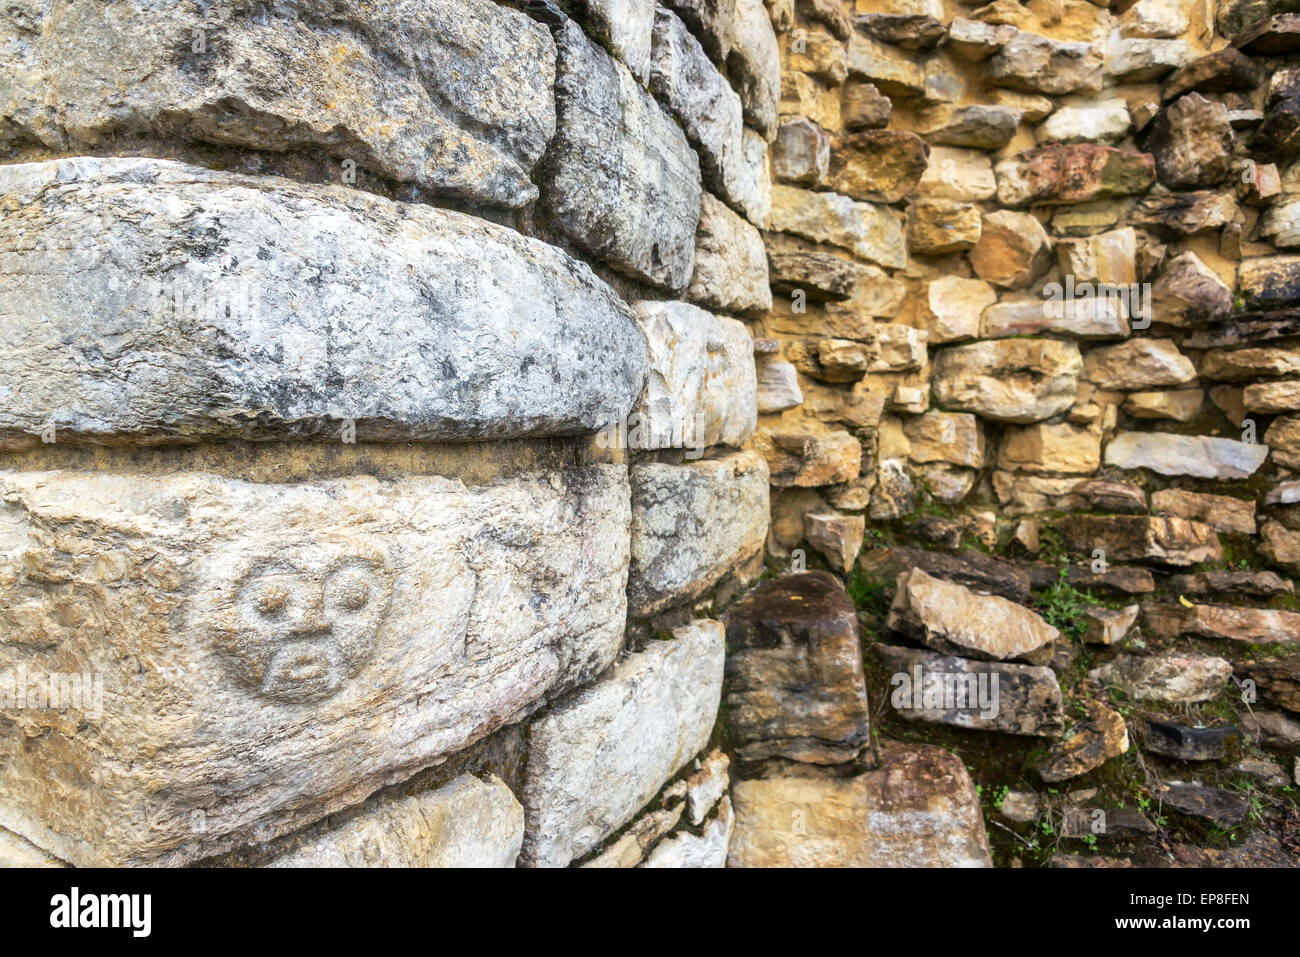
[730, 262]
[687, 83]
[164, 315]
[451, 95]
[691, 524]
[597, 758]
[702, 388]
[952, 619]
[626, 27]
[467, 823]
[705, 850]
[795, 686]
[981, 695]
[278, 623]
[1009, 380]
[1062, 174]
[919, 809]
[1012, 249]
[1172, 541]
[874, 233]
[1088, 745]
[619, 179]
[1038, 64]
[1173, 678]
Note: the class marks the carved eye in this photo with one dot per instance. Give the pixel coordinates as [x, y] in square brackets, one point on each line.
[353, 594]
[272, 600]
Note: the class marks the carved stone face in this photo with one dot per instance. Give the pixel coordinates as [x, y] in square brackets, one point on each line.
[299, 625]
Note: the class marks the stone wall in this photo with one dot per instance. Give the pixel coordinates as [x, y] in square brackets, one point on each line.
[462, 433]
[1037, 300]
[375, 388]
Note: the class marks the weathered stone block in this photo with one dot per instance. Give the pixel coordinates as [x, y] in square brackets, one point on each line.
[1012, 380]
[982, 695]
[466, 823]
[730, 262]
[274, 631]
[620, 178]
[795, 686]
[692, 524]
[178, 304]
[702, 389]
[599, 757]
[452, 95]
[919, 809]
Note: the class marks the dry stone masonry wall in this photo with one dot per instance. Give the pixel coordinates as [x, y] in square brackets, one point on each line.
[377, 384]
[665, 433]
[1033, 398]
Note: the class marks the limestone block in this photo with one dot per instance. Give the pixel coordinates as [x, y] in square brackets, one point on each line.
[599, 757]
[168, 303]
[466, 823]
[620, 179]
[451, 95]
[702, 389]
[291, 648]
[692, 524]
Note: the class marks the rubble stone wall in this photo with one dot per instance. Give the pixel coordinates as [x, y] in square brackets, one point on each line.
[1036, 288]
[375, 389]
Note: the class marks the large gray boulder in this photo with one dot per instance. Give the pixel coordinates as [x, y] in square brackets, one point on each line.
[259, 655]
[450, 95]
[145, 300]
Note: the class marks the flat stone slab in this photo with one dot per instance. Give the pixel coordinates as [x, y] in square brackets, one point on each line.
[599, 757]
[919, 809]
[619, 179]
[981, 695]
[271, 653]
[952, 619]
[1203, 456]
[1185, 743]
[452, 95]
[466, 823]
[149, 301]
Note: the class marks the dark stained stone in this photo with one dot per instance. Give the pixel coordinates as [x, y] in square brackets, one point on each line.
[1184, 743]
[1276, 36]
[1028, 700]
[794, 681]
[909, 31]
[1277, 680]
[973, 569]
[1225, 808]
[1226, 69]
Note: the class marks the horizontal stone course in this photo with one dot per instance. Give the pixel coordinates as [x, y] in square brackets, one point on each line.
[291, 648]
[452, 95]
[167, 303]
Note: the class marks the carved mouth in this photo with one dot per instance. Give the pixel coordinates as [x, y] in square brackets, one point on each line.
[301, 672]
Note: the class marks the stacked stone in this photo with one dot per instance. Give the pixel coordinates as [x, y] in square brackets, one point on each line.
[812, 793]
[319, 323]
[1035, 292]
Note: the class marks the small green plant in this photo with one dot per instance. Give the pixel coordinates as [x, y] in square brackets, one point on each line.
[1064, 607]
